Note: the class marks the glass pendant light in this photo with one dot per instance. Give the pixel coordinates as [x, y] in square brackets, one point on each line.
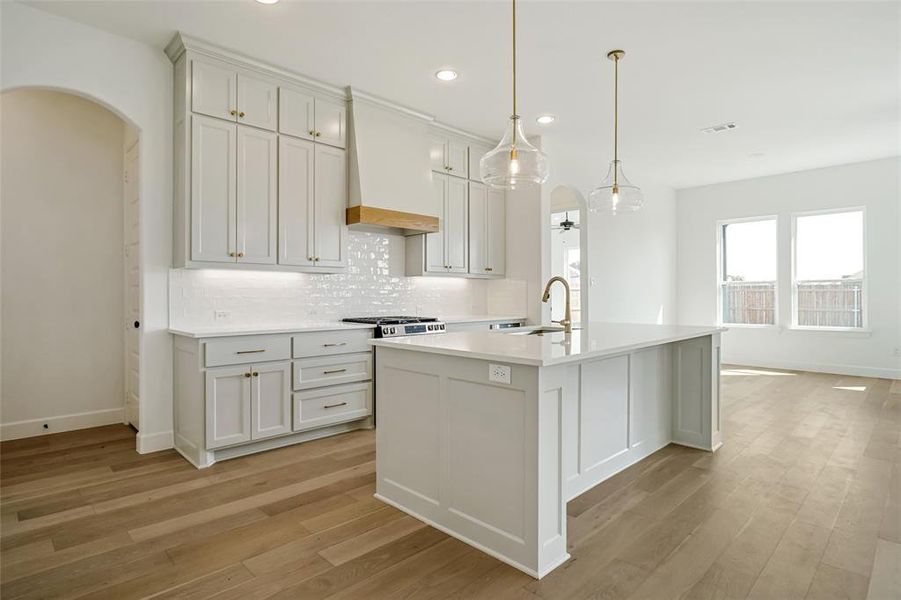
[616, 193]
[514, 161]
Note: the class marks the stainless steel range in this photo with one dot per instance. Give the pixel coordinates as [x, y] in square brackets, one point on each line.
[399, 326]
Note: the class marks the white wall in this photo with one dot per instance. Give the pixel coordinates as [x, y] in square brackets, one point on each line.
[62, 266]
[135, 81]
[631, 257]
[374, 284]
[874, 185]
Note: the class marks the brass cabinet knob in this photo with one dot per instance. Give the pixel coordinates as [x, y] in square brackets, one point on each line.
[318, 133]
[246, 374]
[241, 114]
[255, 374]
[450, 168]
[231, 254]
[316, 259]
[312, 132]
[233, 112]
[488, 269]
[240, 255]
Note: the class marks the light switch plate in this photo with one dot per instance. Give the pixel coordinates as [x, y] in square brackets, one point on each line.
[499, 373]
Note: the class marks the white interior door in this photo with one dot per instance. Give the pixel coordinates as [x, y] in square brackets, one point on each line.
[213, 194]
[295, 201]
[257, 196]
[271, 400]
[330, 201]
[132, 288]
[457, 210]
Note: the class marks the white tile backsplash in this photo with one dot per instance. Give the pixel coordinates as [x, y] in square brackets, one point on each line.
[374, 284]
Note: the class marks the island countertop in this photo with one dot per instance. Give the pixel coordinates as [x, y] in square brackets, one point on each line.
[594, 340]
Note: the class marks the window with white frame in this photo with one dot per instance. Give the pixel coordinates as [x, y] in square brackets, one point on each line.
[747, 272]
[828, 272]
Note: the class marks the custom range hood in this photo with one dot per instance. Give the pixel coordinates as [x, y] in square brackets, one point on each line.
[390, 172]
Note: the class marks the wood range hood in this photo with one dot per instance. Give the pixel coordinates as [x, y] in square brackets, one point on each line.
[390, 173]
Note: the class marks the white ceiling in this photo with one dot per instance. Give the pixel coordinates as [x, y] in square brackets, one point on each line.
[810, 84]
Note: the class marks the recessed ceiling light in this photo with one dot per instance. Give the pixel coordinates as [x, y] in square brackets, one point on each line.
[446, 74]
[546, 119]
[267, 1]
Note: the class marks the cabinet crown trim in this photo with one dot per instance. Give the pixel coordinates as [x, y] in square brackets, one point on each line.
[182, 43]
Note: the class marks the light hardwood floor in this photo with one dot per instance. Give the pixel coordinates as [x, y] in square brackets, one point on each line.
[806, 486]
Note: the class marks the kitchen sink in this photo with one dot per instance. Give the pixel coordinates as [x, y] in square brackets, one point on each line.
[536, 330]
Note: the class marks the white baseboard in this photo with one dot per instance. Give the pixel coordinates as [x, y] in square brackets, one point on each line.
[854, 370]
[154, 442]
[34, 427]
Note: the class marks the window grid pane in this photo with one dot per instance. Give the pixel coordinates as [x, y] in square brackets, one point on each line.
[748, 276]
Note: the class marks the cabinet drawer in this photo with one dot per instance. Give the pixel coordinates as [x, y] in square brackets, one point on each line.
[331, 370]
[324, 406]
[320, 343]
[251, 349]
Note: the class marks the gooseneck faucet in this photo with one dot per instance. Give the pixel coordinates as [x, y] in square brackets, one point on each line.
[567, 320]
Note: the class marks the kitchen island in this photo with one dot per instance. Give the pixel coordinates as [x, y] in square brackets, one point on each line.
[487, 435]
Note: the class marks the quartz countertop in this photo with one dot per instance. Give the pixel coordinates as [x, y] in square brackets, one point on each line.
[595, 340]
[232, 330]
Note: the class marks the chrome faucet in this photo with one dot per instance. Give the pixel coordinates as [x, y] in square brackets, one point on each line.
[567, 320]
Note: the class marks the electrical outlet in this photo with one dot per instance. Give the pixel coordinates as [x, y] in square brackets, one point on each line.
[499, 373]
[221, 315]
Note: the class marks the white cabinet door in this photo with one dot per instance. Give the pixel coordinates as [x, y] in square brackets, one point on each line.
[213, 190]
[331, 122]
[476, 152]
[295, 201]
[257, 196]
[227, 406]
[214, 90]
[478, 228]
[270, 400]
[456, 208]
[438, 153]
[434, 242]
[457, 158]
[257, 102]
[330, 202]
[497, 232]
[295, 113]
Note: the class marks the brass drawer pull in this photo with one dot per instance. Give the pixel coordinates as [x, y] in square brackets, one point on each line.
[334, 405]
[246, 374]
[333, 371]
[256, 374]
[334, 344]
[249, 351]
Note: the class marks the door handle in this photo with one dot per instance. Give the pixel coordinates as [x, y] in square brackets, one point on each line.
[249, 351]
[333, 371]
[334, 405]
[334, 344]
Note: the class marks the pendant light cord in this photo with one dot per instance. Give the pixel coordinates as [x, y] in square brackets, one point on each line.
[615, 119]
[515, 116]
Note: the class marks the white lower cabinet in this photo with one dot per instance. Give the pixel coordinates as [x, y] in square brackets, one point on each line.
[226, 406]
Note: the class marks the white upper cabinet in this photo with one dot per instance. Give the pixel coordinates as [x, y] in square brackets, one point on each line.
[306, 116]
[331, 122]
[330, 202]
[295, 110]
[214, 90]
[312, 204]
[449, 155]
[213, 190]
[257, 102]
[220, 91]
[295, 201]
[456, 207]
[497, 232]
[476, 152]
[434, 260]
[487, 230]
[257, 203]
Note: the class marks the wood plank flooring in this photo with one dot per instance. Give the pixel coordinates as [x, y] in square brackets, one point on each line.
[802, 501]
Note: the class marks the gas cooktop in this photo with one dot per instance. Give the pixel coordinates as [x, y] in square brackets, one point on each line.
[397, 326]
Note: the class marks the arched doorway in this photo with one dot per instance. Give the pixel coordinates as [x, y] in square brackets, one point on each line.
[71, 277]
[569, 251]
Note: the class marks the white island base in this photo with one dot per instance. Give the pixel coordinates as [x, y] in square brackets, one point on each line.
[494, 464]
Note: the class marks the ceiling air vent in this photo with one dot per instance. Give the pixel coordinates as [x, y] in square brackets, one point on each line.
[720, 128]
